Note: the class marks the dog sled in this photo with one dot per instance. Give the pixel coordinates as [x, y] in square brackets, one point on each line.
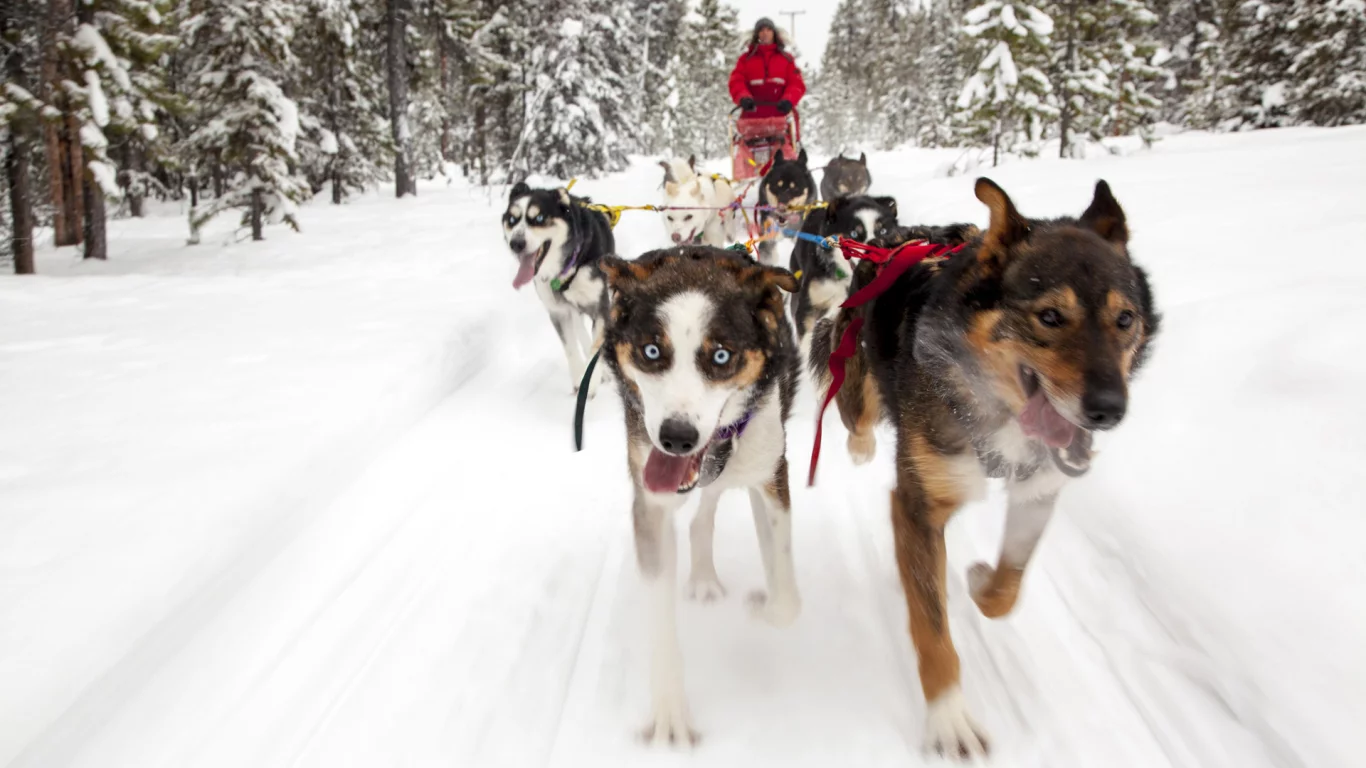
[755, 140]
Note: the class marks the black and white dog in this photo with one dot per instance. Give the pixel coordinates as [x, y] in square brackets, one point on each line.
[787, 183]
[704, 359]
[559, 245]
[824, 274]
[844, 177]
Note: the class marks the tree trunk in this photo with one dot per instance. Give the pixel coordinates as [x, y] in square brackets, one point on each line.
[256, 206]
[217, 180]
[1067, 69]
[336, 184]
[194, 191]
[137, 185]
[445, 95]
[96, 240]
[18, 162]
[64, 231]
[397, 13]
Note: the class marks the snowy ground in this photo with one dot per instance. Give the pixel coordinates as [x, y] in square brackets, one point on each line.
[312, 502]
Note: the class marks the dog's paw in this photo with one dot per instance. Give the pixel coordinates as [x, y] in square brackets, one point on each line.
[670, 726]
[779, 611]
[705, 588]
[862, 448]
[950, 732]
[994, 593]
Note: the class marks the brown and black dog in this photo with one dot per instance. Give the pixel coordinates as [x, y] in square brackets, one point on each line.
[996, 362]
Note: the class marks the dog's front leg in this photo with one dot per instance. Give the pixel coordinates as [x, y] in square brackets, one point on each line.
[772, 508]
[1027, 514]
[925, 498]
[570, 329]
[703, 583]
[657, 554]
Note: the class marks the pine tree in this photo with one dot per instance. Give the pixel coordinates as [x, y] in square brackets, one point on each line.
[708, 45]
[1260, 59]
[1328, 67]
[247, 125]
[20, 113]
[580, 120]
[661, 30]
[351, 146]
[1009, 98]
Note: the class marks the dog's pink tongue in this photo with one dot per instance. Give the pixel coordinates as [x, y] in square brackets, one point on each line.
[663, 472]
[1040, 419]
[525, 270]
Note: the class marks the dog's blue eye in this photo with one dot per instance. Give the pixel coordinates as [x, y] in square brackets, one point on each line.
[538, 221]
[721, 356]
[651, 351]
[1125, 319]
[1051, 318]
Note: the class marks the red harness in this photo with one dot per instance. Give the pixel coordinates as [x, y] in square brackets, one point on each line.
[893, 263]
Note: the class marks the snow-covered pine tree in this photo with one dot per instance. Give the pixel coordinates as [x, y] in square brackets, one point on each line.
[342, 91]
[1196, 34]
[661, 26]
[20, 113]
[1103, 64]
[110, 81]
[841, 118]
[1009, 98]
[945, 63]
[1328, 66]
[247, 124]
[709, 43]
[581, 121]
[1260, 57]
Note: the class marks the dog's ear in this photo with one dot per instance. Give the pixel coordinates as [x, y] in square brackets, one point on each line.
[765, 285]
[668, 171]
[671, 188]
[863, 159]
[1106, 217]
[801, 158]
[779, 159]
[564, 196]
[692, 163]
[518, 190]
[623, 274]
[887, 202]
[1007, 226]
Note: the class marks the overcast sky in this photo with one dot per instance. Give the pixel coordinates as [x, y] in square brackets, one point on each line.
[812, 27]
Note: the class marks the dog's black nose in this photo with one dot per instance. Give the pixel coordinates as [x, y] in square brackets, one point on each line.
[678, 237]
[1104, 408]
[677, 436]
[517, 245]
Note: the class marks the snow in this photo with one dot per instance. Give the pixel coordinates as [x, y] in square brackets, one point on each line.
[88, 40]
[106, 177]
[327, 144]
[312, 502]
[571, 28]
[99, 107]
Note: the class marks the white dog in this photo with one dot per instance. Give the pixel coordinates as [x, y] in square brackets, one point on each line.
[686, 189]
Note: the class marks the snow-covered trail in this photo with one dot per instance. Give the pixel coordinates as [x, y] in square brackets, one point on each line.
[470, 596]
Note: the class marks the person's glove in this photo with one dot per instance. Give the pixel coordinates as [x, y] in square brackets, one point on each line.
[746, 104]
[784, 106]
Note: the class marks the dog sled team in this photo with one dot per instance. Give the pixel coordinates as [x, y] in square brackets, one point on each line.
[997, 361]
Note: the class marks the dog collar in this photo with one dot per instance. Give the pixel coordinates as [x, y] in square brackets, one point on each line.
[722, 445]
[558, 283]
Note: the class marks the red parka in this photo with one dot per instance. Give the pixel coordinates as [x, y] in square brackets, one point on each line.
[766, 74]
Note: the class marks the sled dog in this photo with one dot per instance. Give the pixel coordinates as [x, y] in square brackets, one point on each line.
[685, 188]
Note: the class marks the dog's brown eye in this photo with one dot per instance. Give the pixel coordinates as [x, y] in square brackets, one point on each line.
[1125, 319]
[1051, 318]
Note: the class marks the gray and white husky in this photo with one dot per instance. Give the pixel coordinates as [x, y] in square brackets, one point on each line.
[559, 244]
[706, 366]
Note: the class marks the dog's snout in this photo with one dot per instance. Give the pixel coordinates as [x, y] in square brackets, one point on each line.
[517, 244]
[678, 237]
[677, 436]
[1104, 407]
